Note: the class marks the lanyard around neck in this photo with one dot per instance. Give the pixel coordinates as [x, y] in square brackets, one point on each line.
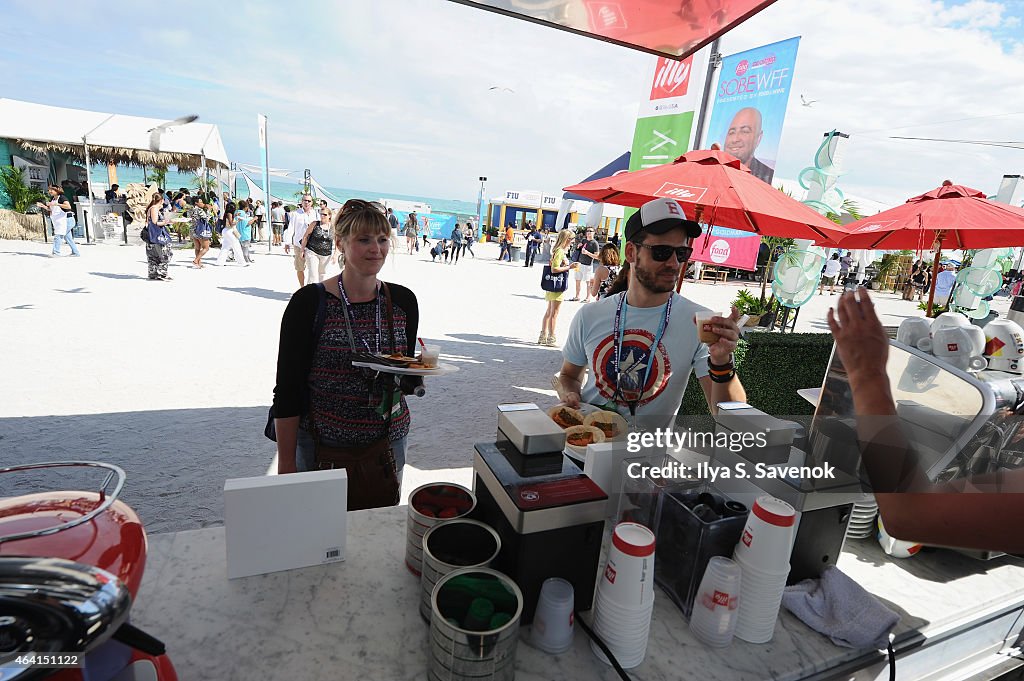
[347, 306]
[619, 331]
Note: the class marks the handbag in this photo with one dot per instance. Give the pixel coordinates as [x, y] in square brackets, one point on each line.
[371, 468]
[552, 282]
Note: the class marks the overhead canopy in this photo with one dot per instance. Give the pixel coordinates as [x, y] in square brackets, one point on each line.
[112, 138]
[670, 28]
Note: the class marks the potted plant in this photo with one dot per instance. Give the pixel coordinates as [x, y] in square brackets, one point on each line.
[749, 304]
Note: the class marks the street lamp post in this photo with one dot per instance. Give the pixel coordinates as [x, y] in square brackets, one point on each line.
[480, 206]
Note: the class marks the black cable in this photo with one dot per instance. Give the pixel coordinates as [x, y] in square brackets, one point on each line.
[892, 662]
[604, 649]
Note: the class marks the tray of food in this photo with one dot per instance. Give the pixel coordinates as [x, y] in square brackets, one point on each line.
[587, 425]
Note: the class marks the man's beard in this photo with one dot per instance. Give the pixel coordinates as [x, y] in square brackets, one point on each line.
[649, 280]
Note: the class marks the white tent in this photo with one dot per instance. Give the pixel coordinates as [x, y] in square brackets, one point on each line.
[109, 137]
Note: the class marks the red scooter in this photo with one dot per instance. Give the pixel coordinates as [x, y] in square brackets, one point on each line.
[71, 564]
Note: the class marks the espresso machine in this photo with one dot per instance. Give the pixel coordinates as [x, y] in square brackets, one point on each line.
[823, 504]
[548, 513]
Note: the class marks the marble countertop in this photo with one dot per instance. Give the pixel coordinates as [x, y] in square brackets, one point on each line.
[359, 619]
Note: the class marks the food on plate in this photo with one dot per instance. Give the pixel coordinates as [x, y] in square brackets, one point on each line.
[581, 436]
[565, 416]
[420, 365]
[399, 357]
[610, 423]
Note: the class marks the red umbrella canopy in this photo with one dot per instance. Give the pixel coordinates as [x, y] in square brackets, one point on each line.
[715, 187]
[950, 217]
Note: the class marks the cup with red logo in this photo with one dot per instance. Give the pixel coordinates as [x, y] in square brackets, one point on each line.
[767, 539]
[628, 578]
[716, 606]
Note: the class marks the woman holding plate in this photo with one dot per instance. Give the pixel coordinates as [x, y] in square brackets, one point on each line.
[329, 414]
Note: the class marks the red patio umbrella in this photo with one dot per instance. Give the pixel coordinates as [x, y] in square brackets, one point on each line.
[715, 187]
[951, 216]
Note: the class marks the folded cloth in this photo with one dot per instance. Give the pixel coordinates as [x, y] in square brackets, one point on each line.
[841, 609]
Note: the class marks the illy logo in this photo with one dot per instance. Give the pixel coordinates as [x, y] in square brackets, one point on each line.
[747, 537]
[952, 347]
[671, 78]
[609, 573]
[681, 191]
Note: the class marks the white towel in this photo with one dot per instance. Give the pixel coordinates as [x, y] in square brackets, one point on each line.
[841, 609]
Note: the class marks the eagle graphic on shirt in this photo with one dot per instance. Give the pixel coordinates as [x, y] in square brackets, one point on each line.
[635, 357]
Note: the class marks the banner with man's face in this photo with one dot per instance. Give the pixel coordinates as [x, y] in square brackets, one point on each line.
[750, 102]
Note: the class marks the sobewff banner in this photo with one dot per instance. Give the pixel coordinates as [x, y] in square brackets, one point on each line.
[750, 105]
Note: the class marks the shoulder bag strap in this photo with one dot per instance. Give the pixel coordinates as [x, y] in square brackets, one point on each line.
[389, 391]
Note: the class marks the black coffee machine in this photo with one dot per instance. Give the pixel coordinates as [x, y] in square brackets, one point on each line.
[548, 513]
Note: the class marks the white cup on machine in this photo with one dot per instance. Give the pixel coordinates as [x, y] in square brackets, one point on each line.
[912, 330]
[954, 345]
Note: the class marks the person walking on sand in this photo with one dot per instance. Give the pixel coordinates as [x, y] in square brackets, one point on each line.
[202, 230]
[243, 223]
[261, 213]
[319, 247]
[469, 237]
[158, 240]
[533, 241]
[412, 233]
[456, 244]
[229, 239]
[59, 207]
[829, 274]
[559, 263]
[586, 255]
[298, 224]
[277, 222]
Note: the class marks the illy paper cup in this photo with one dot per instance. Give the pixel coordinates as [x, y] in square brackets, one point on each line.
[628, 578]
[767, 539]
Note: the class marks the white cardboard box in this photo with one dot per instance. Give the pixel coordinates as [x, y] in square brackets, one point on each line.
[281, 522]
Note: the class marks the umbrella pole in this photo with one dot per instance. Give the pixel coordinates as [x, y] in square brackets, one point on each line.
[935, 275]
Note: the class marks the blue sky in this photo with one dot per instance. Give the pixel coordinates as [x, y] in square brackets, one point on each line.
[393, 95]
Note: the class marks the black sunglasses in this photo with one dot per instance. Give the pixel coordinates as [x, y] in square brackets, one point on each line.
[663, 252]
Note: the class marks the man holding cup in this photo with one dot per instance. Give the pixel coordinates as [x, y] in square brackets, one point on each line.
[642, 344]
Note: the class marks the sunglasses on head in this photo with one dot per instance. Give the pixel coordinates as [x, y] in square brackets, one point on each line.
[663, 252]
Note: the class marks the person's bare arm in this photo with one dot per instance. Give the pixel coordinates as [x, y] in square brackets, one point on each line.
[287, 435]
[571, 379]
[941, 514]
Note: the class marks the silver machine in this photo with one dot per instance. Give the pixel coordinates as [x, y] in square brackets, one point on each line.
[961, 426]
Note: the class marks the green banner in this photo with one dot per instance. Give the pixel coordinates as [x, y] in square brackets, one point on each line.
[660, 139]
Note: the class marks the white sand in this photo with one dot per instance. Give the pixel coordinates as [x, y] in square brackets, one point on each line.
[172, 380]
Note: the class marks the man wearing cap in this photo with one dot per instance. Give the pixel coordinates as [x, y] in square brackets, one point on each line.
[641, 345]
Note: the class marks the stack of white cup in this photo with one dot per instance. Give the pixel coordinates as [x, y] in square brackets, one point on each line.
[625, 596]
[763, 556]
[716, 605]
[553, 620]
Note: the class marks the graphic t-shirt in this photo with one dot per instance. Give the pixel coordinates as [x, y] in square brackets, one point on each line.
[591, 342]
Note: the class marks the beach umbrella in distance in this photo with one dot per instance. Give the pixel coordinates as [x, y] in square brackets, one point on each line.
[154, 133]
[951, 216]
[714, 187]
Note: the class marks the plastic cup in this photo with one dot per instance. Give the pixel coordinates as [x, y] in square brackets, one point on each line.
[552, 629]
[430, 354]
[716, 606]
[628, 577]
[704, 327]
[767, 539]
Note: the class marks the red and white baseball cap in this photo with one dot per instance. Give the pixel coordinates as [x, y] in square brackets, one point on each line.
[659, 216]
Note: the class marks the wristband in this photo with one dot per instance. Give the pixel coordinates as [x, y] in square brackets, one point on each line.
[722, 377]
[728, 365]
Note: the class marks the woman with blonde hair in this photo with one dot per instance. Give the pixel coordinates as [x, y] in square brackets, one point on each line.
[559, 263]
[328, 413]
[319, 246]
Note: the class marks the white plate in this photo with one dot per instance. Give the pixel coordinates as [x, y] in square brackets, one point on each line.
[440, 370]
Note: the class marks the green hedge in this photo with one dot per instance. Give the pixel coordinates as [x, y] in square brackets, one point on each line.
[773, 366]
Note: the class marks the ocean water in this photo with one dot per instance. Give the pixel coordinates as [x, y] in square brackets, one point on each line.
[286, 190]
